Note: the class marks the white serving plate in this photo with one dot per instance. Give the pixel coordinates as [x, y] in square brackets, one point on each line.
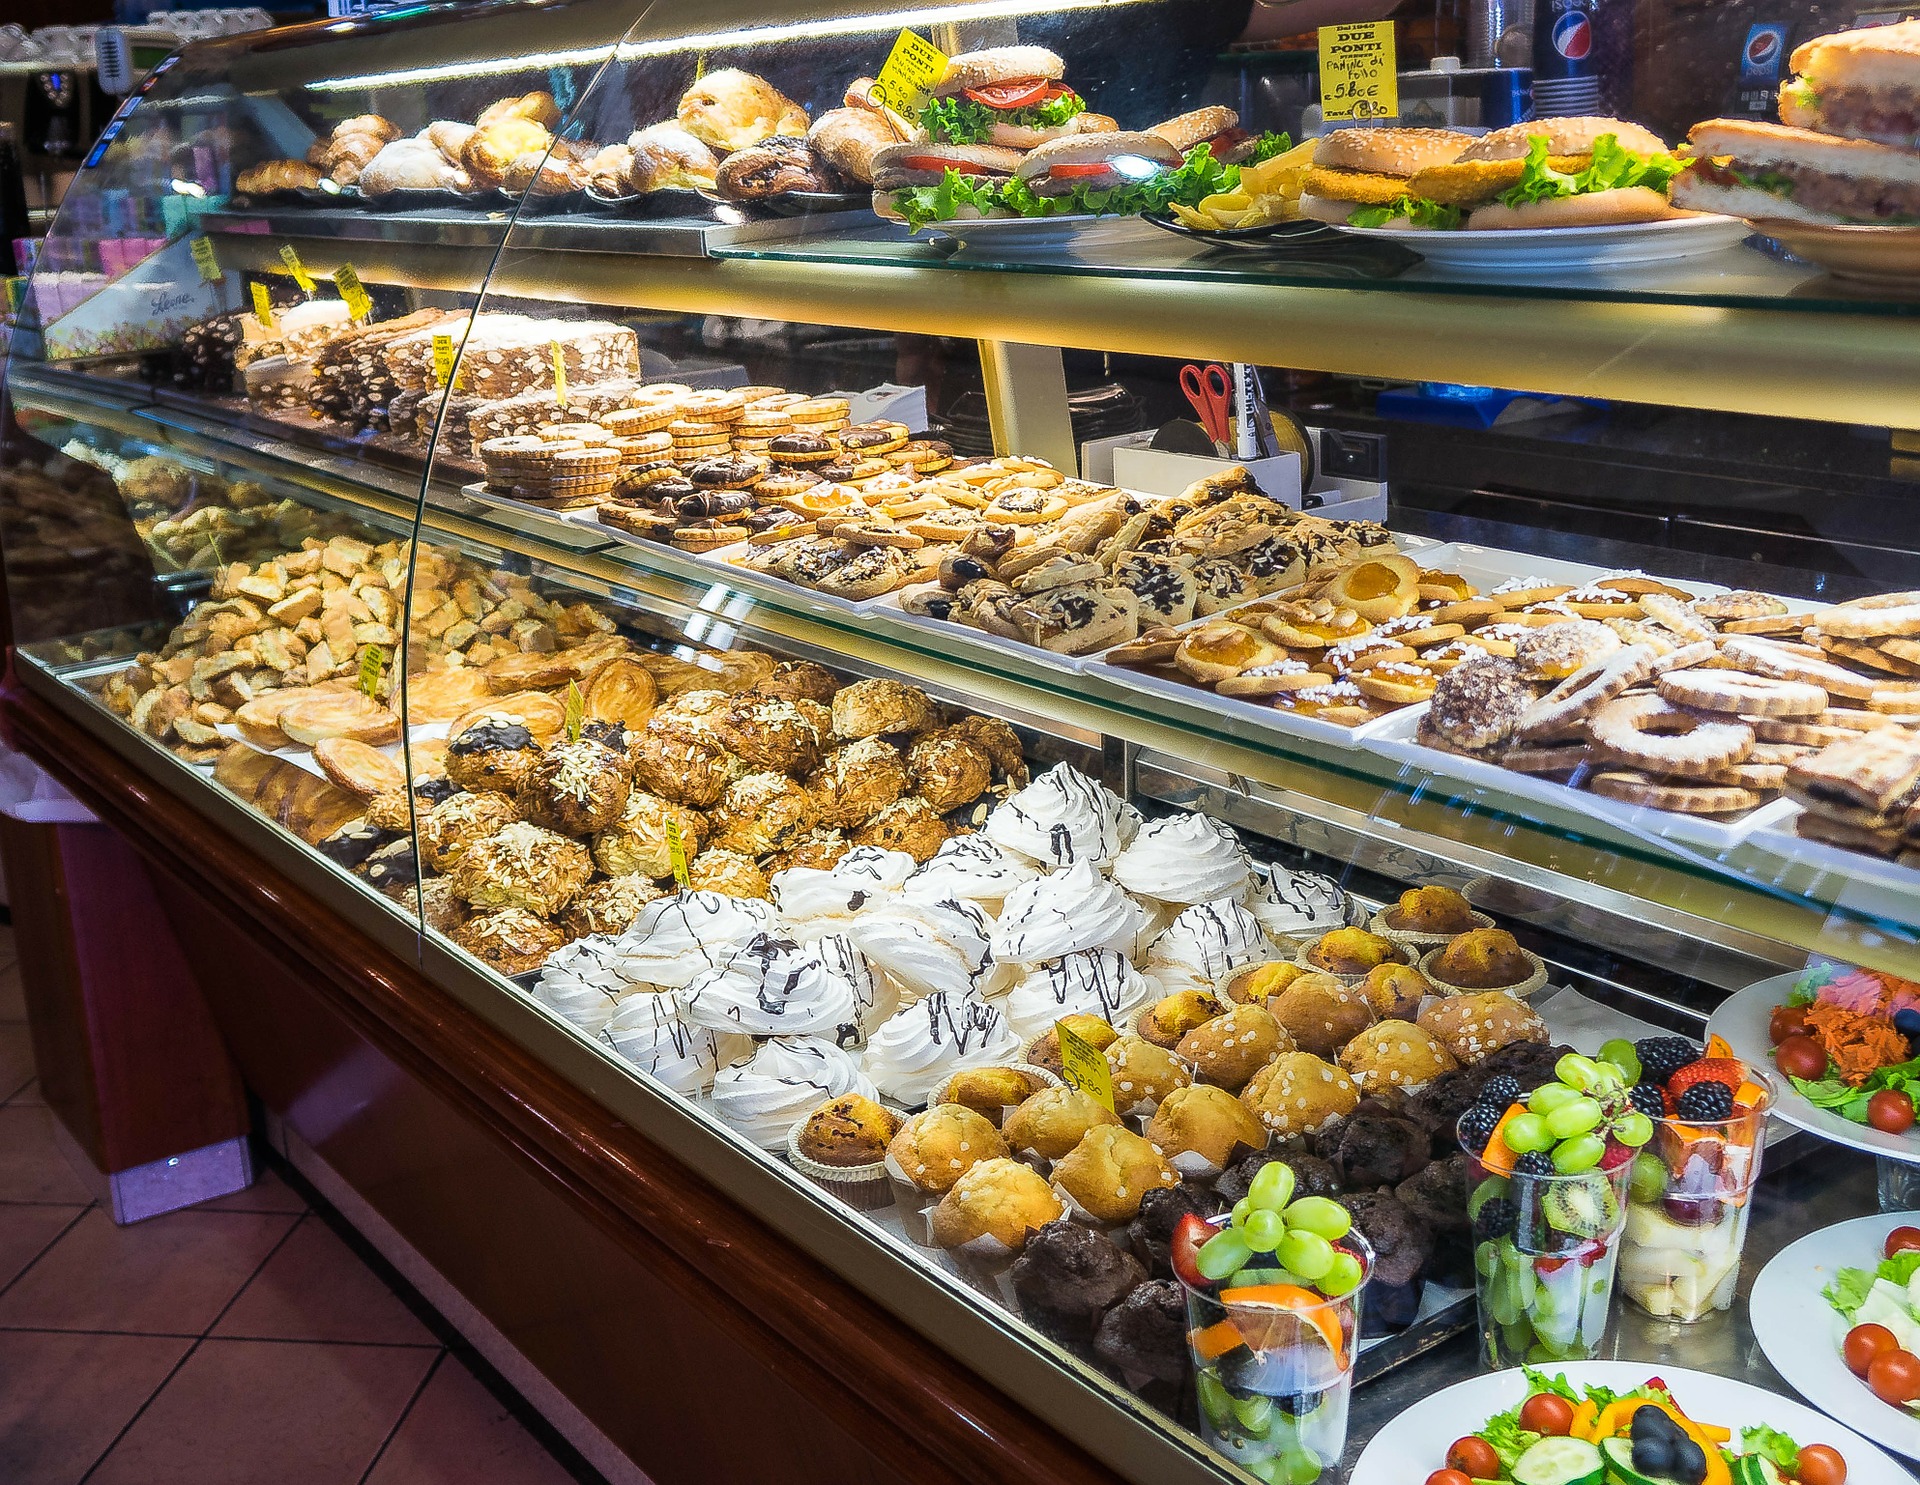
[1741, 1022]
[1414, 1444]
[1536, 250]
[1800, 1333]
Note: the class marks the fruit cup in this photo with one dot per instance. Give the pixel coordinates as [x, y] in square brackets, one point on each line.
[1688, 1197]
[1545, 1248]
[1273, 1365]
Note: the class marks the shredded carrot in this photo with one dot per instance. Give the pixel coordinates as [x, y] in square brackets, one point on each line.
[1857, 1044]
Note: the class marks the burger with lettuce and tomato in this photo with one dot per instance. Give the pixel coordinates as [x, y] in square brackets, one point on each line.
[1011, 96]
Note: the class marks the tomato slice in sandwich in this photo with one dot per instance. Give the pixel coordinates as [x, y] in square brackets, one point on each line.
[1080, 172]
[1010, 95]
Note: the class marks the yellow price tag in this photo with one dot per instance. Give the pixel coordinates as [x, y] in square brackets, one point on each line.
[298, 269]
[16, 293]
[204, 260]
[912, 68]
[559, 374]
[359, 302]
[1358, 76]
[262, 306]
[373, 660]
[1084, 1066]
[442, 360]
[576, 711]
[676, 851]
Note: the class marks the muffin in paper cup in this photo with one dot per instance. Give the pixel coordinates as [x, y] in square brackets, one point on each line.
[1040, 1077]
[1521, 991]
[1418, 943]
[1402, 955]
[914, 1204]
[865, 1188]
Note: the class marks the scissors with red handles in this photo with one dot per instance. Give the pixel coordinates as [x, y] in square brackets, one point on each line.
[1210, 390]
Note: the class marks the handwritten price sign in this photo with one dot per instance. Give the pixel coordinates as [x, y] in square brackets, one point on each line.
[1358, 77]
[912, 68]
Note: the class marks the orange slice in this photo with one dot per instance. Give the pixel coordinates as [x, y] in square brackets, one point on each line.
[1311, 1307]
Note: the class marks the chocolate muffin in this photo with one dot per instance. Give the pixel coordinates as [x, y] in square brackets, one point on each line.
[1312, 1176]
[1437, 1196]
[1402, 1244]
[1069, 1276]
[1376, 1147]
[1161, 1209]
[1437, 1107]
[1145, 1335]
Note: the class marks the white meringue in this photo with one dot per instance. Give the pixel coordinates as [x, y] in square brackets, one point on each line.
[647, 1032]
[1297, 904]
[874, 998]
[1204, 946]
[927, 947]
[785, 1080]
[809, 897]
[1065, 912]
[920, 1047]
[970, 867]
[677, 939]
[772, 986]
[1097, 982]
[1185, 858]
[584, 980]
[1063, 817]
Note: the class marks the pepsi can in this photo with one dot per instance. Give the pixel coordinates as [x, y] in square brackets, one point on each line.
[1566, 78]
[1506, 96]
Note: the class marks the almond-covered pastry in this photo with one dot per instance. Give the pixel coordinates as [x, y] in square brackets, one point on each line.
[1474, 1027]
[760, 813]
[1395, 1054]
[1054, 1120]
[492, 755]
[1485, 959]
[522, 865]
[994, 1207]
[908, 825]
[936, 1148]
[800, 680]
[637, 843]
[683, 770]
[770, 733]
[1228, 1050]
[511, 940]
[728, 873]
[450, 827]
[881, 707]
[1298, 1094]
[730, 110]
[819, 849]
[1320, 1013]
[856, 781]
[1108, 1172]
[948, 770]
[1200, 1128]
[577, 788]
[607, 907]
[1143, 1074]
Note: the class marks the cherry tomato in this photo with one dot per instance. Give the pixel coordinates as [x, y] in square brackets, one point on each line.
[1864, 1343]
[1786, 1021]
[1548, 1413]
[1901, 1239]
[1448, 1477]
[1801, 1057]
[1188, 1235]
[1890, 1111]
[1821, 1464]
[1895, 1376]
[1473, 1456]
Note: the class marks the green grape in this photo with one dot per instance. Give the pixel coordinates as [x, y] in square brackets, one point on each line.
[1302, 1465]
[1486, 1260]
[1307, 1254]
[1633, 1130]
[1272, 1186]
[1582, 1152]
[1254, 1415]
[1550, 1096]
[1578, 1117]
[1527, 1132]
[1343, 1275]
[1320, 1215]
[1648, 1183]
[1221, 1254]
[1215, 1401]
[1577, 1071]
[1263, 1230]
[1242, 1209]
[1619, 1053]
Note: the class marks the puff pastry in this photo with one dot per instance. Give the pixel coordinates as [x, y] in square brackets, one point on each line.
[731, 109]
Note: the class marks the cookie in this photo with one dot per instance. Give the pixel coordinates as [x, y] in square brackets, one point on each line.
[1741, 695]
[1684, 799]
[1651, 733]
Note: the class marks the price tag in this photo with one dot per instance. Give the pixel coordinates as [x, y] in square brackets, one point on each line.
[373, 660]
[359, 302]
[559, 374]
[1083, 1066]
[676, 851]
[298, 269]
[262, 306]
[576, 711]
[1358, 79]
[442, 360]
[204, 260]
[16, 294]
[912, 68]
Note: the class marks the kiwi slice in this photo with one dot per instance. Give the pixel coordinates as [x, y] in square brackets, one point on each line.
[1584, 1208]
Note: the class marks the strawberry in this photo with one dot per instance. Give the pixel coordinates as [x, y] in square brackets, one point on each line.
[1729, 1070]
[1616, 1155]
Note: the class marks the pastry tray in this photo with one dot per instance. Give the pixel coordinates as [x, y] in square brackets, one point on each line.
[1125, 680]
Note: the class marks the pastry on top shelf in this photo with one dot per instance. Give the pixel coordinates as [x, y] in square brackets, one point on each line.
[1427, 917]
[637, 842]
[609, 906]
[730, 110]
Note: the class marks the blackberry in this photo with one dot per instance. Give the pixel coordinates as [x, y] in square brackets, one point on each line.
[1663, 1056]
[1501, 1092]
[1649, 1100]
[1496, 1219]
[1705, 1103]
[1534, 1163]
[1476, 1125]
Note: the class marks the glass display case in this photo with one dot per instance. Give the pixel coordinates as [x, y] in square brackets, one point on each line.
[749, 653]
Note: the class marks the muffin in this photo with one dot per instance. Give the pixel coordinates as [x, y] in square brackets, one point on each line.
[994, 1208]
[1320, 1014]
[1395, 1054]
[1044, 1051]
[1198, 1129]
[1395, 991]
[842, 1147]
[1145, 1334]
[1143, 1075]
[1351, 952]
[1484, 959]
[1298, 1093]
[1054, 1120]
[1426, 917]
[577, 788]
[1107, 1173]
[1069, 1277]
[935, 1148]
[1261, 982]
[635, 843]
[1150, 1234]
[993, 1092]
[1230, 1049]
[760, 813]
[1171, 1017]
[1474, 1027]
[494, 755]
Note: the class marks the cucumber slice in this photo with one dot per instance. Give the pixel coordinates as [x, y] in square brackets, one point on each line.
[1560, 1461]
[1755, 1469]
[1620, 1470]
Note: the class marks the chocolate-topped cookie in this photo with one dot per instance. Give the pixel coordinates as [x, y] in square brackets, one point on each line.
[731, 472]
[705, 503]
[803, 448]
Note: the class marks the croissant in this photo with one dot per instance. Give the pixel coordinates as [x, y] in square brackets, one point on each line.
[412, 165]
[542, 174]
[494, 147]
[277, 175]
[348, 156]
[667, 155]
[449, 138]
[731, 109]
[609, 168]
[385, 130]
[537, 107]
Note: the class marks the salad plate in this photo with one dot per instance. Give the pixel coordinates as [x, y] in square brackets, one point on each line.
[1800, 1331]
[1415, 1444]
[1742, 1019]
[1554, 249]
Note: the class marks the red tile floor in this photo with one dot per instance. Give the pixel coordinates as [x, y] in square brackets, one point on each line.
[249, 1341]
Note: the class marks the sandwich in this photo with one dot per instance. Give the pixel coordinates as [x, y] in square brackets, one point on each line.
[1770, 171]
[1010, 96]
[1574, 172]
[1218, 128]
[1357, 170]
[922, 183]
[1861, 84]
[1097, 172]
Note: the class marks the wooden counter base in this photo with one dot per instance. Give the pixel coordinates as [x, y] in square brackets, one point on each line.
[697, 1339]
